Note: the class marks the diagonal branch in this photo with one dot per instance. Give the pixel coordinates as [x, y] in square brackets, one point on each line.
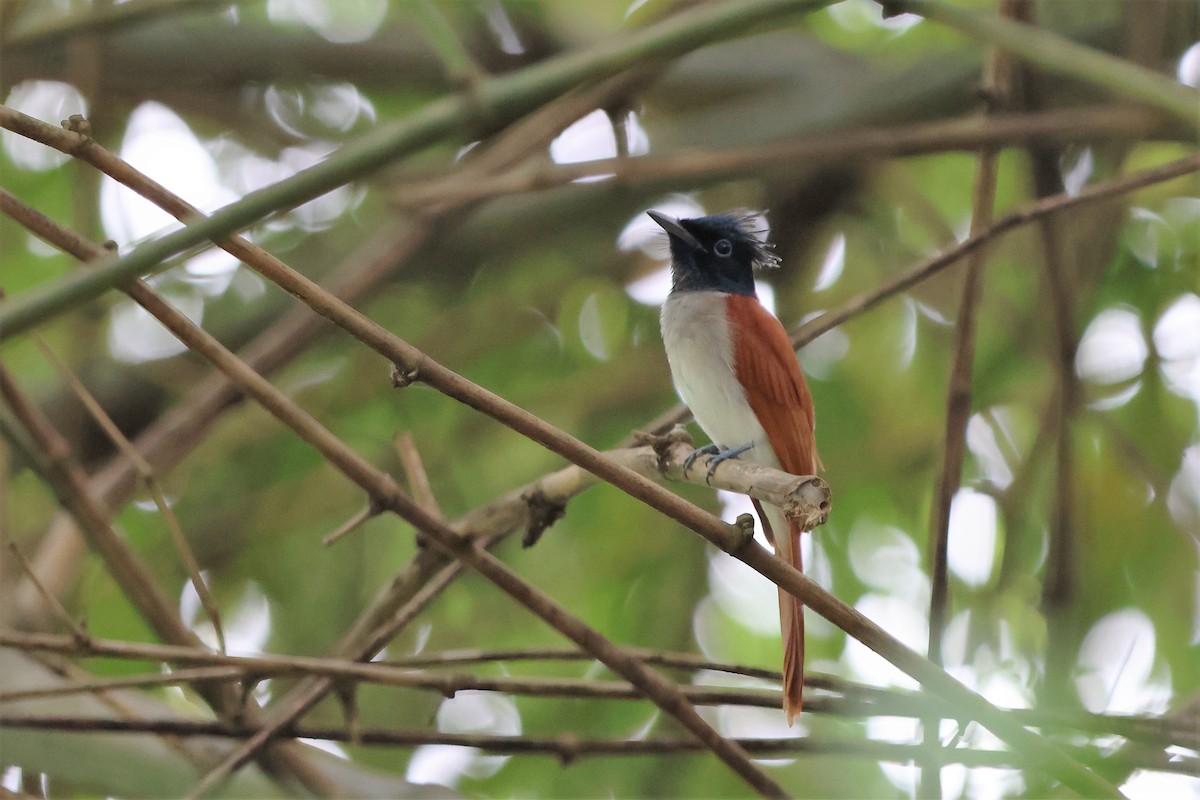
[698, 166]
[856, 306]
[412, 364]
[382, 341]
[1061, 56]
[45, 448]
[172, 436]
[384, 493]
[484, 108]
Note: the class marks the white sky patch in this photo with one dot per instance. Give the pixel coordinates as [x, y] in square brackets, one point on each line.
[906, 342]
[898, 616]
[651, 289]
[743, 594]
[161, 145]
[1189, 66]
[1176, 339]
[863, 15]
[820, 356]
[466, 712]
[1112, 348]
[758, 723]
[136, 337]
[931, 313]
[339, 21]
[328, 746]
[983, 444]
[591, 328]
[594, 136]
[502, 27]
[50, 101]
[886, 558]
[833, 264]
[1077, 170]
[1151, 239]
[766, 295]
[902, 730]
[1115, 664]
[972, 545]
[1147, 785]
[341, 105]
[247, 624]
[320, 212]
[285, 106]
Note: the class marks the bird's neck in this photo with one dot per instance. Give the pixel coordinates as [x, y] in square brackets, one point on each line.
[691, 281]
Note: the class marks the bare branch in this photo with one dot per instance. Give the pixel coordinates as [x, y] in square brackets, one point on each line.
[568, 747]
[97, 412]
[78, 631]
[416, 365]
[383, 492]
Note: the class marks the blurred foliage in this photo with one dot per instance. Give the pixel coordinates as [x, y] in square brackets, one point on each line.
[526, 294]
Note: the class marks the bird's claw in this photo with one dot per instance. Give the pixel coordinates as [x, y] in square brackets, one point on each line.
[724, 455]
[707, 450]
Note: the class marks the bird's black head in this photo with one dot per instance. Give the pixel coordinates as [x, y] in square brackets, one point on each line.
[717, 253]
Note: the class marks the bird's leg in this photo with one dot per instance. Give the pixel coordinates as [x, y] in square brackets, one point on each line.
[707, 450]
[724, 455]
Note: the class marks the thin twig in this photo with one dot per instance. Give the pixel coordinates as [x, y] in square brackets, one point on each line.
[838, 696]
[485, 108]
[67, 479]
[431, 571]
[149, 478]
[566, 747]
[383, 492]
[78, 631]
[416, 365]
[349, 526]
[51, 453]
[417, 478]
[167, 440]
[698, 166]
[856, 306]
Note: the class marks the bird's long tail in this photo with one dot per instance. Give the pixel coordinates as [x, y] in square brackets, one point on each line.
[785, 535]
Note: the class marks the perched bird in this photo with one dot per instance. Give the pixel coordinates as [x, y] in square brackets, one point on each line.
[733, 364]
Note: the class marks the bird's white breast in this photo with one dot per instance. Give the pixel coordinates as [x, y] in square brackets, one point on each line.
[699, 345]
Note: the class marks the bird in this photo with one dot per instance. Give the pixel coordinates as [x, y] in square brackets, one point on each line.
[733, 363]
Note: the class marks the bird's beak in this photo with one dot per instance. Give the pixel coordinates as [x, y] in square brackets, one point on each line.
[672, 227]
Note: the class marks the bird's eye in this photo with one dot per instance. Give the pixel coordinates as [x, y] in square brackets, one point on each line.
[723, 248]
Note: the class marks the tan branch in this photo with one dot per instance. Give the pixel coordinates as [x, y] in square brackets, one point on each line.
[384, 493]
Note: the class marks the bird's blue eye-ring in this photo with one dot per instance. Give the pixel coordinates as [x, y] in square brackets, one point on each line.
[723, 248]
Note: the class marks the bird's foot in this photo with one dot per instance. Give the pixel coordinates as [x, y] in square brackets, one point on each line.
[724, 455]
[707, 450]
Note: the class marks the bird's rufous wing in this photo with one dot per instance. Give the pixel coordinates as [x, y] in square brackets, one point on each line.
[767, 368]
